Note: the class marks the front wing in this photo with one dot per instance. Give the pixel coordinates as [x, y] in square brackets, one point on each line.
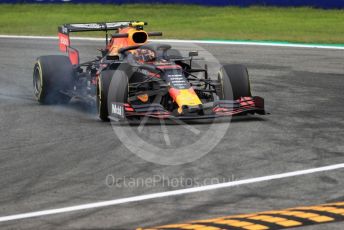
[216, 109]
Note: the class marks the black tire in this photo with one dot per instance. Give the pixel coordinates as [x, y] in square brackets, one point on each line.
[235, 82]
[51, 75]
[112, 87]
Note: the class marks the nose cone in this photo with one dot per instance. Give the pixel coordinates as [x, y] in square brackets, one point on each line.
[185, 99]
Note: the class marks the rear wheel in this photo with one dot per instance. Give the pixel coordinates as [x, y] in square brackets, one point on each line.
[112, 87]
[52, 75]
[234, 81]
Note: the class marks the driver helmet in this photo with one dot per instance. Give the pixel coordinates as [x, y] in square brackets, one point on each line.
[144, 55]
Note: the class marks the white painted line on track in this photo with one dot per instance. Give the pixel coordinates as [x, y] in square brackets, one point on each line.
[170, 193]
[246, 43]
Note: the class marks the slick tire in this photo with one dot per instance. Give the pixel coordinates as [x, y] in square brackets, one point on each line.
[112, 87]
[234, 82]
[51, 76]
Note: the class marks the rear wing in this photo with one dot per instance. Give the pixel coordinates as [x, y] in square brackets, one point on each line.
[99, 26]
[64, 30]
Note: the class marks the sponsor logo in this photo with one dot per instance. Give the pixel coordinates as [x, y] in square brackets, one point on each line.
[64, 41]
[117, 110]
[101, 25]
[87, 26]
[117, 24]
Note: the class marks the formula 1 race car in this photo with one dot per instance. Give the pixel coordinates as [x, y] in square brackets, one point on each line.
[134, 78]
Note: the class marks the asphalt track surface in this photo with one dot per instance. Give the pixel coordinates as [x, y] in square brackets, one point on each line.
[58, 156]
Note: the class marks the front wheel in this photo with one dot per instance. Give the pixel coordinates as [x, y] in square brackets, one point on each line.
[234, 82]
[112, 87]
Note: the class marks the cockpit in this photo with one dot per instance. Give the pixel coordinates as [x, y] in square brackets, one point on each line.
[143, 55]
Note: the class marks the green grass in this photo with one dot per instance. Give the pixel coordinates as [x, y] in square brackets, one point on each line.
[185, 22]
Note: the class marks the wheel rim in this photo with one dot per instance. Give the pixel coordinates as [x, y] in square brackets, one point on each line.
[37, 83]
